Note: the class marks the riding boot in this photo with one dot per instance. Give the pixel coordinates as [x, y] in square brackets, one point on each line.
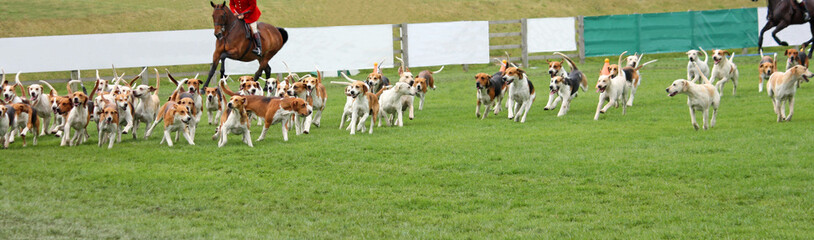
[804, 8]
[257, 45]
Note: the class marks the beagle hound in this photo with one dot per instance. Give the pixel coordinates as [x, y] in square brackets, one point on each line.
[782, 87]
[490, 93]
[767, 67]
[78, 117]
[725, 70]
[700, 97]
[146, 109]
[566, 87]
[614, 88]
[109, 125]
[234, 121]
[273, 110]
[365, 104]
[694, 59]
[522, 93]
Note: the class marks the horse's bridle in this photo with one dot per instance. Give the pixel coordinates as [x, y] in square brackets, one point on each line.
[220, 34]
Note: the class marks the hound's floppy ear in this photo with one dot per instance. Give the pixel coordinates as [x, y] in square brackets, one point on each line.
[521, 72]
[366, 88]
[725, 52]
[152, 89]
[788, 51]
[243, 101]
[285, 103]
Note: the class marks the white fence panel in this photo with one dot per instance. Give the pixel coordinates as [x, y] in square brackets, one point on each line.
[794, 34]
[433, 44]
[99, 51]
[552, 34]
[329, 48]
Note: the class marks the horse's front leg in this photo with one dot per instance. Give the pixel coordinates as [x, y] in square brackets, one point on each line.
[217, 57]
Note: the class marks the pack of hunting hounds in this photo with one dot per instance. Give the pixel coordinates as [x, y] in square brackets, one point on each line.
[119, 107]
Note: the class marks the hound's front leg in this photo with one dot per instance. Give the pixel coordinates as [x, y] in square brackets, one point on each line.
[720, 85]
[526, 108]
[110, 144]
[510, 104]
[222, 138]
[564, 107]
[342, 120]
[477, 109]
[497, 105]
[692, 119]
[706, 118]
[412, 110]
[552, 97]
[782, 110]
[46, 124]
[400, 116]
[611, 102]
[66, 135]
[791, 109]
[306, 125]
[101, 138]
[518, 108]
[265, 130]
[147, 125]
[354, 117]
[632, 95]
[189, 138]
[247, 137]
[361, 126]
[286, 126]
[777, 109]
[599, 106]
[167, 137]
[486, 109]
[421, 103]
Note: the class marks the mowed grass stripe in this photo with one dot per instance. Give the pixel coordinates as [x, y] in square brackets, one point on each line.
[445, 174]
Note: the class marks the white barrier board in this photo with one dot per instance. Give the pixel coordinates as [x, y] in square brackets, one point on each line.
[552, 34]
[99, 51]
[329, 48]
[433, 44]
[794, 34]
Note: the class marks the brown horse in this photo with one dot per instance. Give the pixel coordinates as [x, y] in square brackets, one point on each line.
[234, 43]
[783, 13]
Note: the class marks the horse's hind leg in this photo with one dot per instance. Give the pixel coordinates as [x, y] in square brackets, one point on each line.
[780, 27]
[223, 67]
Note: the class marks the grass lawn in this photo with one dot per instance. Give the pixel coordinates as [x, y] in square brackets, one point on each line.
[445, 174]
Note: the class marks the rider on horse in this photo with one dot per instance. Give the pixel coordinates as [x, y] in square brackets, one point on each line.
[248, 11]
[801, 4]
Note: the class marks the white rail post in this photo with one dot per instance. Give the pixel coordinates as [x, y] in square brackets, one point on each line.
[524, 30]
[404, 45]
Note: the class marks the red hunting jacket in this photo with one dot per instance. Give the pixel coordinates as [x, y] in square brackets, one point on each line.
[246, 7]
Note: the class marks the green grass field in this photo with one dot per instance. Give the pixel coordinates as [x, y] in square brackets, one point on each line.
[445, 174]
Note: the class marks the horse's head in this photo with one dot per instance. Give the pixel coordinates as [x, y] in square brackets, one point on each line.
[219, 17]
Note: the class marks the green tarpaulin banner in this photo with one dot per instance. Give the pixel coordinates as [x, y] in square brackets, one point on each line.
[670, 32]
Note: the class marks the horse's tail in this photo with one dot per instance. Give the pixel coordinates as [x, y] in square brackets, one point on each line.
[284, 33]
